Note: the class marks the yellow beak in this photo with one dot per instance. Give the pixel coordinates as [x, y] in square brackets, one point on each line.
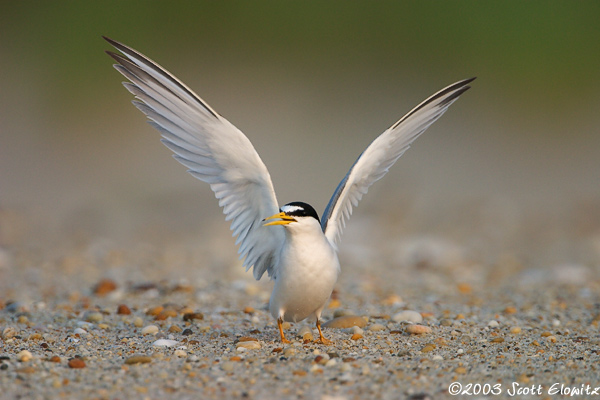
[285, 219]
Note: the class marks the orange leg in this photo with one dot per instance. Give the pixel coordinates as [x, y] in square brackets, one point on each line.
[283, 339]
[321, 337]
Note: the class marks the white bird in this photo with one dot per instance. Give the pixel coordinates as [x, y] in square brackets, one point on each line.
[296, 249]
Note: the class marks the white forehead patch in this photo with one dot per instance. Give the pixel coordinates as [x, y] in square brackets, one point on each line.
[288, 209]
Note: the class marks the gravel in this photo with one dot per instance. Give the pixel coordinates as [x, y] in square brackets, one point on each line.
[175, 316]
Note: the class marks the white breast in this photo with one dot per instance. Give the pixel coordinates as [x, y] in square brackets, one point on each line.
[306, 274]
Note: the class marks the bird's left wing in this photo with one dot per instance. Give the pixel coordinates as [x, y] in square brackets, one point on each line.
[213, 149]
[381, 154]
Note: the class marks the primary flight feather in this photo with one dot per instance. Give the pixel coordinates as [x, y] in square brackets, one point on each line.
[296, 248]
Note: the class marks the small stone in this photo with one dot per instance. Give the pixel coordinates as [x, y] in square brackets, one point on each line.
[446, 322]
[460, 370]
[227, 366]
[356, 329]
[103, 327]
[122, 309]
[235, 358]
[93, 316]
[154, 311]
[104, 287]
[249, 310]
[497, 339]
[150, 330]
[164, 314]
[249, 345]
[545, 334]
[377, 327]
[286, 325]
[356, 336]
[510, 310]
[515, 329]
[24, 356]
[392, 300]
[322, 359]
[464, 288]
[80, 331]
[76, 363]
[187, 332]
[22, 319]
[165, 343]
[175, 329]
[180, 353]
[246, 339]
[9, 332]
[193, 316]
[54, 359]
[493, 324]
[437, 357]
[417, 329]
[138, 322]
[551, 339]
[290, 351]
[427, 348]
[331, 362]
[138, 359]
[346, 322]
[408, 316]
[305, 333]
[299, 372]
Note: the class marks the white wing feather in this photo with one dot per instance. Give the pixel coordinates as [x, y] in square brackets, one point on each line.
[215, 152]
[381, 154]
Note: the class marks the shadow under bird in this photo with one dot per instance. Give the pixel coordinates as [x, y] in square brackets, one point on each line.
[296, 248]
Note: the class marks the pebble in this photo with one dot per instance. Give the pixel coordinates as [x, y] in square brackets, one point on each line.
[305, 333]
[138, 322]
[138, 359]
[356, 329]
[356, 336]
[22, 319]
[249, 345]
[180, 353]
[76, 363]
[9, 332]
[408, 316]
[104, 287]
[515, 329]
[193, 316]
[150, 330]
[417, 329]
[154, 311]
[377, 327]
[227, 366]
[122, 309]
[165, 343]
[54, 359]
[493, 324]
[24, 356]
[290, 351]
[497, 339]
[80, 331]
[175, 329]
[93, 316]
[347, 321]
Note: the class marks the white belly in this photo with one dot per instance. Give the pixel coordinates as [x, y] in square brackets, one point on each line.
[306, 277]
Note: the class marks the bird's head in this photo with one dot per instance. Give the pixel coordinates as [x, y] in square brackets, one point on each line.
[295, 212]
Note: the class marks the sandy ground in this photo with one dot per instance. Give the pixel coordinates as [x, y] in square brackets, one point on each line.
[512, 306]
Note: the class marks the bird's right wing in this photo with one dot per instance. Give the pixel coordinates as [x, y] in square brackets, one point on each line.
[215, 152]
[382, 153]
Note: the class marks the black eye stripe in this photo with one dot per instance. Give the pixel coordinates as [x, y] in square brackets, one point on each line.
[300, 209]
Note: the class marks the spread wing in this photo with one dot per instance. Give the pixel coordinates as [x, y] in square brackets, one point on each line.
[213, 150]
[381, 154]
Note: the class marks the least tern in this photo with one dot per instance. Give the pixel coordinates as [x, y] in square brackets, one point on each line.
[296, 248]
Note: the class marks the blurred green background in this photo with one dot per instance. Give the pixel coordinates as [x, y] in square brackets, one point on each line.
[311, 84]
